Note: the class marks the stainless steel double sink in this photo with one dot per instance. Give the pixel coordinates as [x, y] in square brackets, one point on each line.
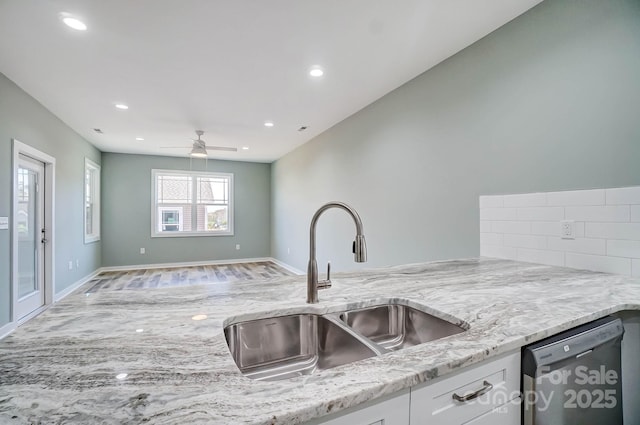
[283, 347]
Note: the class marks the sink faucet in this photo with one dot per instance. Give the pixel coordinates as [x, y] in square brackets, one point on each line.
[359, 250]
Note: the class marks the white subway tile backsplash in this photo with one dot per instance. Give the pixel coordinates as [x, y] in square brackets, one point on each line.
[635, 213]
[552, 228]
[540, 213]
[546, 228]
[491, 201]
[527, 227]
[598, 213]
[625, 231]
[576, 197]
[526, 200]
[525, 241]
[630, 249]
[498, 213]
[511, 227]
[580, 245]
[551, 258]
[491, 239]
[496, 251]
[599, 263]
[623, 196]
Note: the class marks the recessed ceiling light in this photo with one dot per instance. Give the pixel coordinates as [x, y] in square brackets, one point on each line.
[139, 330]
[121, 106]
[199, 317]
[121, 376]
[245, 148]
[139, 138]
[316, 71]
[268, 124]
[73, 22]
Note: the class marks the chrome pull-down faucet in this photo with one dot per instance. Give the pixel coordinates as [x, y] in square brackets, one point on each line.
[359, 250]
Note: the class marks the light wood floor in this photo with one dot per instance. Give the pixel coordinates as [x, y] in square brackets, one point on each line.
[181, 276]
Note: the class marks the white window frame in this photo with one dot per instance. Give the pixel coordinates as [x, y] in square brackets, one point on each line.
[155, 209]
[94, 236]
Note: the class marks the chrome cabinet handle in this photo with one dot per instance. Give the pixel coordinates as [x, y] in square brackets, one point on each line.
[487, 386]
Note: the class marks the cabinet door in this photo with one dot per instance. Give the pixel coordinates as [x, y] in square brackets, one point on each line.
[392, 411]
[507, 414]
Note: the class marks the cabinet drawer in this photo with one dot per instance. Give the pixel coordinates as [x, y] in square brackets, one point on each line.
[498, 380]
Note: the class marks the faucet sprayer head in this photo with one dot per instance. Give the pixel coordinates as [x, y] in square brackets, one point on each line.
[360, 249]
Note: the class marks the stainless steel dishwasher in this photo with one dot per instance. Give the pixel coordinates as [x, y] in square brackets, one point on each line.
[574, 378]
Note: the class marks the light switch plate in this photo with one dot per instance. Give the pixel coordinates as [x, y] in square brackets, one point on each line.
[4, 223]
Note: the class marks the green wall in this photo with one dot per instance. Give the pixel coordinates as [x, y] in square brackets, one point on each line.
[126, 212]
[549, 101]
[24, 119]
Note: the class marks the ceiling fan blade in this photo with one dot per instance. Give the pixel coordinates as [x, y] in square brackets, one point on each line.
[174, 147]
[221, 148]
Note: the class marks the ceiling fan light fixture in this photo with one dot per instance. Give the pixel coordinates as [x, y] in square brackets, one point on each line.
[198, 152]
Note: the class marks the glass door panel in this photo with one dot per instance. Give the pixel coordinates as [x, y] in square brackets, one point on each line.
[28, 231]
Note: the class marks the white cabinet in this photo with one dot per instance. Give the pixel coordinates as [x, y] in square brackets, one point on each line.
[490, 388]
[391, 411]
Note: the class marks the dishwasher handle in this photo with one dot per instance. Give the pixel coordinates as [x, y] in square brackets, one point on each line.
[486, 387]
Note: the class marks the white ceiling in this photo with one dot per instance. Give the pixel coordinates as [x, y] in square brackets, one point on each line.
[227, 66]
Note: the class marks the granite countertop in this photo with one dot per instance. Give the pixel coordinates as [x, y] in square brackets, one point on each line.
[61, 367]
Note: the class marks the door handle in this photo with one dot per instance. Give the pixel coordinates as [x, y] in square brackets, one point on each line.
[486, 387]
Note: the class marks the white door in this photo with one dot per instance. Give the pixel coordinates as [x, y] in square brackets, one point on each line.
[31, 236]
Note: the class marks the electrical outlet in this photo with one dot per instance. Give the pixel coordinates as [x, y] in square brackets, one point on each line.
[568, 229]
[288, 251]
[143, 251]
[77, 264]
[70, 265]
[238, 246]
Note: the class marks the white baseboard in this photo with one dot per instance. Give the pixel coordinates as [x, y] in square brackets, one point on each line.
[68, 290]
[7, 329]
[184, 264]
[287, 267]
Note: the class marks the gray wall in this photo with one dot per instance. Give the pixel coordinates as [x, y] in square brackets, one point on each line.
[126, 212]
[23, 118]
[548, 102]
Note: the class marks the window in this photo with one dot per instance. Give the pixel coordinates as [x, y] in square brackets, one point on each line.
[91, 201]
[192, 203]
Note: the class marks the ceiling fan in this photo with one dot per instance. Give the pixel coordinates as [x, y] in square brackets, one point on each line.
[199, 148]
